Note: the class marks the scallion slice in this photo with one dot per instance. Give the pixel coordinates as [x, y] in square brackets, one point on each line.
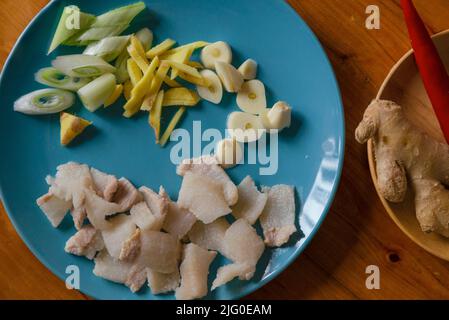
[44, 101]
[94, 94]
[54, 78]
[82, 65]
[108, 48]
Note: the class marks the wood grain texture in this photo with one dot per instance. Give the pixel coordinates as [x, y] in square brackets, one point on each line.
[357, 231]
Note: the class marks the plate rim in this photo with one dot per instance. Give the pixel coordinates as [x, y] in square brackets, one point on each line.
[296, 253]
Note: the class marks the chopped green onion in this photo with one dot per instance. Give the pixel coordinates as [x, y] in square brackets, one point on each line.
[68, 25]
[94, 94]
[145, 36]
[108, 48]
[45, 101]
[82, 66]
[56, 79]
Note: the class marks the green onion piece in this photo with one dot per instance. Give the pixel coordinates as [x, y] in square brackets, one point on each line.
[108, 48]
[82, 66]
[109, 24]
[119, 16]
[56, 79]
[96, 34]
[121, 67]
[145, 36]
[45, 101]
[94, 94]
[68, 25]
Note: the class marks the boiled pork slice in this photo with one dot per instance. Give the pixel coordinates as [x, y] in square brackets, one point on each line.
[194, 272]
[78, 215]
[132, 275]
[162, 282]
[54, 208]
[178, 220]
[243, 245]
[159, 251]
[119, 230]
[229, 272]
[209, 236]
[278, 216]
[105, 184]
[144, 218]
[131, 247]
[251, 202]
[126, 195]
[98, 209]
[206, 167]
[70, 182]
[203, 197]
[86, 242]
[157, 204]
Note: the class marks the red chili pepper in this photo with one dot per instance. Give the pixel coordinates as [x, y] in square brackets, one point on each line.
[430, 65]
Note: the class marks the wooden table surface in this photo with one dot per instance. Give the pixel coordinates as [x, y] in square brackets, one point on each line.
[357, 232]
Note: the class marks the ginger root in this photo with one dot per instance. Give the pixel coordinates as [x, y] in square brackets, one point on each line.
[403, 153]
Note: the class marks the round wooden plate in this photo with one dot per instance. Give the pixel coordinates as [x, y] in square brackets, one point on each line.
[404, 86]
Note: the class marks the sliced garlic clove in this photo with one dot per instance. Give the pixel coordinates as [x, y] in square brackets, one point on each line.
[279, 117]
[251, 97]
[228, 153]
[232, 79]
[213, 93]
[245, 127]
[218, 51]
[248, 69]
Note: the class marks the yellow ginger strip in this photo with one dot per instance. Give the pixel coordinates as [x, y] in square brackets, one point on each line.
[127, 88]
[183, 57]
[140, 90]
[140, 61]
[195, 64]
[201, 81]
[172, 125]
[171, 83]
[184, 68]
[135, 42]
[160, 48]
[180, 97]
[155, 86]
[135, 74]
[155, 115]
[193, 46]
[114, 96]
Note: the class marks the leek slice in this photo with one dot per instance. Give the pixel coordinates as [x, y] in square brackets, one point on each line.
[145, 36]
[161, 48]
[155, 115]
[109, 24]
[82, 66]
[172, 125]
[45, 101]
[95, 94]
[121, 65]
[122, 15]
[68, 25]
[56, 79]
[108, 48]
[96, 34]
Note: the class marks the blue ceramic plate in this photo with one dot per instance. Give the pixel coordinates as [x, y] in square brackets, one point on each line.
[294, 68]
